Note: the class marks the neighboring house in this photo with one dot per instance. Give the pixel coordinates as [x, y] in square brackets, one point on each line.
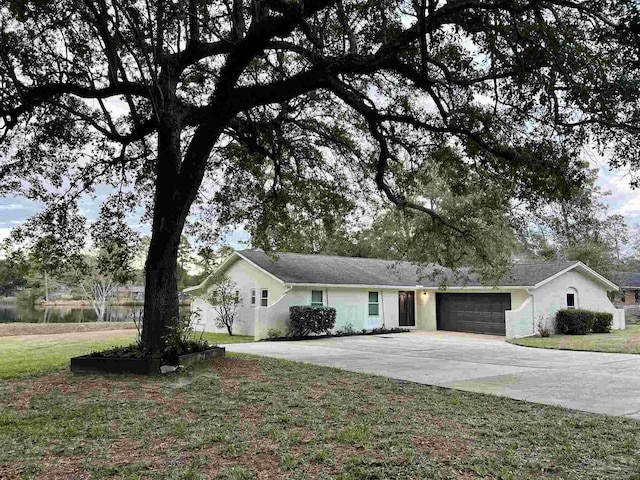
[370, 293]
[130, 292]
[629, 283]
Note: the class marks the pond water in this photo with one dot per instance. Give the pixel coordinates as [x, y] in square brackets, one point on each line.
[16, 312]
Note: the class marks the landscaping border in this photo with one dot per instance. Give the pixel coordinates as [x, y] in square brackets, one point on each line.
[336, 335]
[90, 364]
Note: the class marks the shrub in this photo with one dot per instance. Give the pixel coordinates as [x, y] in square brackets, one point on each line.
[602, 322]
[305, 320]
[348, 329]
[544, 327]
[574, 321]
[274, 333]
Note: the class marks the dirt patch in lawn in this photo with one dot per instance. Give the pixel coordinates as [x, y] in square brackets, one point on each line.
[233, 370]
[11, 329]
[633, 341]
[447, 448]
[236, 367]
[21, 391]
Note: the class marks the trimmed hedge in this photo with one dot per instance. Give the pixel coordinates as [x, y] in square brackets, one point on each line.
[304, 320]
[602, 322]
[573, 321]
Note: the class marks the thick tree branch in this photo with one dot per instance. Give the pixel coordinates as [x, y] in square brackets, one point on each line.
[34, 96]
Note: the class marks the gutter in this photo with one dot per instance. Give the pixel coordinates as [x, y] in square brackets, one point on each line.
[530, 291]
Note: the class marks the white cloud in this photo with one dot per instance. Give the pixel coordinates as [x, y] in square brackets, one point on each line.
[11, 206]
[4, 232]
[622, 199]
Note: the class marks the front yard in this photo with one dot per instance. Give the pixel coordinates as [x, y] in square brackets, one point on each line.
[618, 341]
[39, 354]
[252, 418]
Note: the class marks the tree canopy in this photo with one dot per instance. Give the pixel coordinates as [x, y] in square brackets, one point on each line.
[275, 113]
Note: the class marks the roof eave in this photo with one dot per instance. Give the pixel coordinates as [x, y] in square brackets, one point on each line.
[406, 287]
[586, 269]
[221, 268]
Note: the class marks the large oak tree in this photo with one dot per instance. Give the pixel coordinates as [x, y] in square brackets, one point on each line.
[300, 109]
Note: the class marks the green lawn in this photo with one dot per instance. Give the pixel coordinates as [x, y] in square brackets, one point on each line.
[20, 357]
[618, 341]
[248, 418]
[219, 338]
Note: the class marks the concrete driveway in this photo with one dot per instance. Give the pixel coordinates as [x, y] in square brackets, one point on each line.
[594, 382]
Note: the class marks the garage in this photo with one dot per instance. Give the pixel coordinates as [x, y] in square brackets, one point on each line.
[472, 312]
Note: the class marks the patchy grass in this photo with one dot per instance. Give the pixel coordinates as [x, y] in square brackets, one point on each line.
[250, 418]
[20, 357]
[618, 341]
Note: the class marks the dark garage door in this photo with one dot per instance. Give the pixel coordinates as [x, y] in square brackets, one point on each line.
[472, 312]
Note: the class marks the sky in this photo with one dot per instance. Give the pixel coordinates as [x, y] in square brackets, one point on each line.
[15, 210]
[623, 200]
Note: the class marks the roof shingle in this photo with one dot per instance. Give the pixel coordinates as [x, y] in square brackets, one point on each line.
[297, 268]
[626, 279]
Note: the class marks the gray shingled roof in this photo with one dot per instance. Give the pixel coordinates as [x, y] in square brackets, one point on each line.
[626, 279]
[323, 269]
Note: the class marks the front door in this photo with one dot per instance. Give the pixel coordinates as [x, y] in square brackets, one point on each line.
[406, 301]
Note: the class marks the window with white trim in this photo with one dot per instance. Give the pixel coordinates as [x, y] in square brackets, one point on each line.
[317, 298]
[571, 300]
[253, 297]
[264, 297]
[374, 304]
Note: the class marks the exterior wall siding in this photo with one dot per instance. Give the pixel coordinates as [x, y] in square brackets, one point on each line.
[519, 321]
[628, 297]
[246, 277]
[351, 304]
[389, 308]
[552, 296]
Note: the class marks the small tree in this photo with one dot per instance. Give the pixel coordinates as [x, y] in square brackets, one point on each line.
[117, 246]
[100, 276]
[225, 300]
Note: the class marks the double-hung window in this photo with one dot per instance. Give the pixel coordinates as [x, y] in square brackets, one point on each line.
[253, 297]
[264, 297]
[374, 304]
[316, 298]
[571, 300]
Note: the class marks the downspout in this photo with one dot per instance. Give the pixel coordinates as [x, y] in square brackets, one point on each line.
[381, 306]
[533, 309]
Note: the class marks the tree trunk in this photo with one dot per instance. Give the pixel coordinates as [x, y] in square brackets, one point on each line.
[178, 180]
[161, 304]
[46, 286]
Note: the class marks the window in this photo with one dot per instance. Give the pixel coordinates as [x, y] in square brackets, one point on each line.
[316, 298]
[571, 300]
[264, 297]
[374, 304]
[636, 296]
[253, 296]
